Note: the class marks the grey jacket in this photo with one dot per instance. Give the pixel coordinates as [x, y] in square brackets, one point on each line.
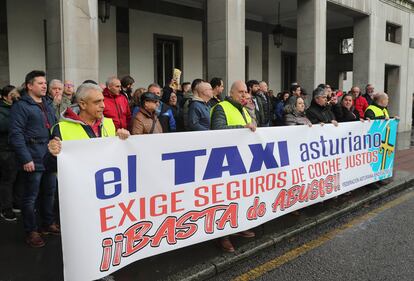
[296, 118]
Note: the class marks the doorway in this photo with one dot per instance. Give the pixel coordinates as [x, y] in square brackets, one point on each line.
[168, 55]
[392, 87]
[288, 70]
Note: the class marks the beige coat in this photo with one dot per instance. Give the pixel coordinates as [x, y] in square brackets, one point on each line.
[143, 123]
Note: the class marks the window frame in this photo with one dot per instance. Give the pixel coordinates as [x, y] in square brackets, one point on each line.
[178, 40]
[397, 32]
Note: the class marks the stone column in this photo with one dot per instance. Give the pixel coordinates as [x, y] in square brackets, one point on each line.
[4, 50]
[265, 56]
[226, 40]
[54, 59]
[311, 43]
[362, 57]
[72, 41]
[122, 41]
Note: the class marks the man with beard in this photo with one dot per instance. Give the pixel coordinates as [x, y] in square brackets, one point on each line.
[262, 102]
[127, 83]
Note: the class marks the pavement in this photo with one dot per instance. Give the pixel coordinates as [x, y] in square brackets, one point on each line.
[373, 243]
[205, 260]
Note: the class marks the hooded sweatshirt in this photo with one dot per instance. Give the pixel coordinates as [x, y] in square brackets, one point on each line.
[71, 114]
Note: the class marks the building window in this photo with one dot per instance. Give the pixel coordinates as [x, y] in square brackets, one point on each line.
[288, 70]
[346, 46]
[393, 33]
[168, 55]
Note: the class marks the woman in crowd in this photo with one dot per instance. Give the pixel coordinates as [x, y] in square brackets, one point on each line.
[295, 112]
[346, 112]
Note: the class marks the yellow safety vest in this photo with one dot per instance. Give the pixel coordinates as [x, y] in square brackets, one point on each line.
[233, 115]
[378, 111]
[75, 131]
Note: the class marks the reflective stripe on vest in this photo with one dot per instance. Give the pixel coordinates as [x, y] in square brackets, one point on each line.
[378, 111]
[75, 131]
[233, 115]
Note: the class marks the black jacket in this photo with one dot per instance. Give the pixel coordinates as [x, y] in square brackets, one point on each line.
[265, 113]
[213, 101]
[342, 114]
[369, 99]
[319, 114]
[166, 118]
[4, 126]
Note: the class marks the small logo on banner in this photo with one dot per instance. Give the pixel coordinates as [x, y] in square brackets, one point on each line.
[386, 148]
[382, 169]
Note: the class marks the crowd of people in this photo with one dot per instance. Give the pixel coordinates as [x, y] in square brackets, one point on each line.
[37, 116]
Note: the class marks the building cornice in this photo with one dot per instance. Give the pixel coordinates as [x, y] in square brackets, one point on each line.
[406, 5]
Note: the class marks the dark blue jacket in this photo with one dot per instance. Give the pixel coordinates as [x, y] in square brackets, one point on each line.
[166, 118]
[279, 110]
[198, 115]
[30, 130]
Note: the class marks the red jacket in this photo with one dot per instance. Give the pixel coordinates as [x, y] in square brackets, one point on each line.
[117, 108]
[360, 104]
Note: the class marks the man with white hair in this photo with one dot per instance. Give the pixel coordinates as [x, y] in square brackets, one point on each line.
[68, 93]
[116, 104]
[263, 87]
[85, 119]
[319, 112]
[55, 92]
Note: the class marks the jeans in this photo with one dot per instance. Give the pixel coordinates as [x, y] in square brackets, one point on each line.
[41, 186]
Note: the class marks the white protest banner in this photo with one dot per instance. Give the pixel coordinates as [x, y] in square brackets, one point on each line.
[121, 201]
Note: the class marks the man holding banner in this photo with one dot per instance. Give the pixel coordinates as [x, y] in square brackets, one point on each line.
[378, 109]
[84, 120]
[231, 114]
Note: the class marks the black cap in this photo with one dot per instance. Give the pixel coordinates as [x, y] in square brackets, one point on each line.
[148, 96]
